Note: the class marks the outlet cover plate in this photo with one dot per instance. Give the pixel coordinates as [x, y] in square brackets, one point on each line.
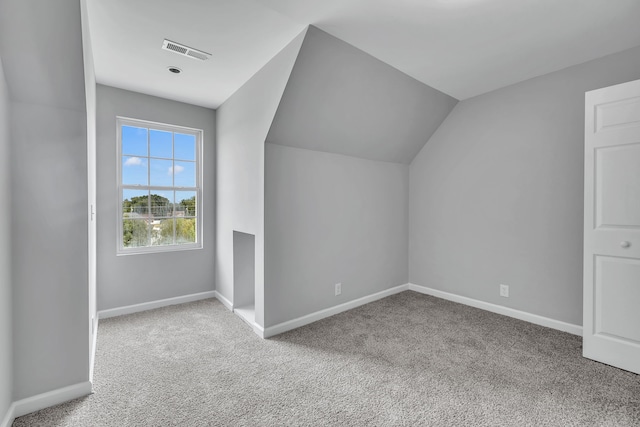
[504, 291]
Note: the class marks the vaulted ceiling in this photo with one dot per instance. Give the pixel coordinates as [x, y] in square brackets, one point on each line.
[339, 99]
[460, 47]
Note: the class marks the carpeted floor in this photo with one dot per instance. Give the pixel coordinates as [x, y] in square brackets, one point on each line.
[406, 360]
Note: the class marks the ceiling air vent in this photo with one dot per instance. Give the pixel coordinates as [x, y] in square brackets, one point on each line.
[185, 50]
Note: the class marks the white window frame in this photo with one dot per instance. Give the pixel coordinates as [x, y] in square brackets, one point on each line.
[199, 134]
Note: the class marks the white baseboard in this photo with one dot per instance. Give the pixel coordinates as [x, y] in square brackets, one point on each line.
[129, 309]
[499, 309]
[45, 400]
[318, 315]
[259, 330]
[9, 417]
[224, 301]
[248, 315]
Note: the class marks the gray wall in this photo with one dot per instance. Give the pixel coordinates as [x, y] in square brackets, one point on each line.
[342, 100]
[49, 193]
[331, 218]
[6, 340]
[49, 225]
[242, 127]
[496, 195]
[244, 269]
[133, 279]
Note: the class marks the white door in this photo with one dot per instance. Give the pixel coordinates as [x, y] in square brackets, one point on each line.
[612, 226]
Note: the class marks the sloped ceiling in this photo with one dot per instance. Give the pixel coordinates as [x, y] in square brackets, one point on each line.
[460, 47]
[342, 100]
[469, 47]
[242, 123]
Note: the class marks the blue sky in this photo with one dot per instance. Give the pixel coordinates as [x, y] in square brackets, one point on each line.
[146, 156]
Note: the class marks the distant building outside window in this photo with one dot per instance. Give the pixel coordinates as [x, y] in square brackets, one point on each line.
[159, 187]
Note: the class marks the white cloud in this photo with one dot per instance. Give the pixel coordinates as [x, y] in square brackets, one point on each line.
[133, 161]
[178, 169]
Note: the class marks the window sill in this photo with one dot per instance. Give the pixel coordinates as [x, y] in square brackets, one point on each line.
[158, 249]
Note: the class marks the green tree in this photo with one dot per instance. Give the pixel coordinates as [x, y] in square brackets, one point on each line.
[138, 204]
[185, 230]
[134, 233]
[160, 206]
[166, 232]
[189, 206]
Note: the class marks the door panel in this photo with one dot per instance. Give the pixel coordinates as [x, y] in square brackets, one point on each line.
[618, 198]
[617, 298]
[618, 114]
[611, 332]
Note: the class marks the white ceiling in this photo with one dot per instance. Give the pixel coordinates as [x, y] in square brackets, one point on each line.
[461, 47]
[127, 38]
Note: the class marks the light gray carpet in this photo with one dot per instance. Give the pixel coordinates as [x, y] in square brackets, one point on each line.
[406, 360]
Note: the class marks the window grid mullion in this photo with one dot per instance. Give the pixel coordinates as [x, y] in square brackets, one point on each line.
[173, 181]
[157, 188]
[148, 189]
[148, 185]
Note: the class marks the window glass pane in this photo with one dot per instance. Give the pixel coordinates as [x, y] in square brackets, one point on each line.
[159, 186]
[162, 232]
[185, 230]
[134, 170]
[135, 233]
[135, 204]
[184, 146]
[160, 144]
[161, 173]
[161, 203]
[186, 203]
[185, 174]
[134, 141]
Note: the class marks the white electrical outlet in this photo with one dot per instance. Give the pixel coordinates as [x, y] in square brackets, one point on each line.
[338, 288]
[504, 291]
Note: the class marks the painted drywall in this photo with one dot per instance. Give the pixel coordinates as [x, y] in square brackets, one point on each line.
[331, 219]
[133, 279]
[49, 240]
[242, 127]
[244, 269]
[49, 193]
[342, 100]
[496, 195]
[6, 334]
[36, 72]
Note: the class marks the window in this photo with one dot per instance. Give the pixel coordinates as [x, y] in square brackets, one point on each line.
[159, 187]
